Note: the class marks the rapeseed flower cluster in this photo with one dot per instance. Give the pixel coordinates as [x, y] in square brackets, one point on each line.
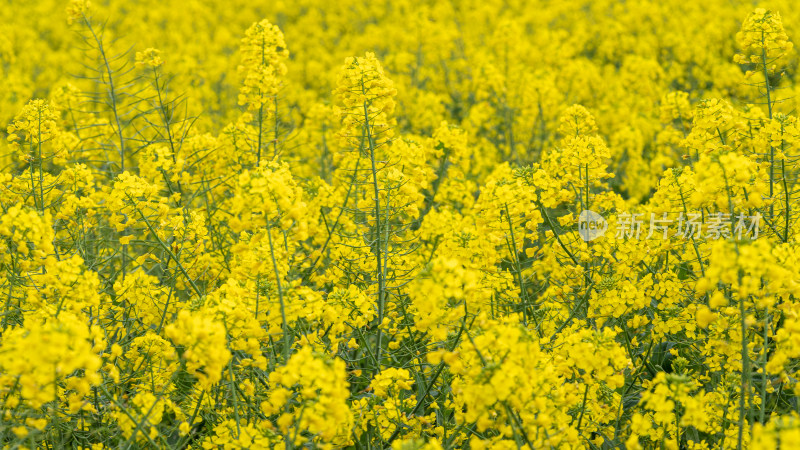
[431, 225]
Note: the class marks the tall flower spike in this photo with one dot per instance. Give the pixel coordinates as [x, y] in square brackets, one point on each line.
[34, 126]
[263, 52]
[364, 90]
[77, 10]
[762, 40]
[36, 123]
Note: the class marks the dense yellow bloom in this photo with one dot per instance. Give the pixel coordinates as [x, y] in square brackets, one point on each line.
[204, 348]
[63, 346]
[262, 66]
[34, 126]
[318, 388]
[159, 358]
[778, 431]
[365, 97]
[147, 301]
[762, 39]
[498, 225]
[26, 234]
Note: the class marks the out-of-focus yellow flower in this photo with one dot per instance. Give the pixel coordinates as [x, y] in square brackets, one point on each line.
[150, 57]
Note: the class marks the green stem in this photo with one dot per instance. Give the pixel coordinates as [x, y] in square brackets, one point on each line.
[286, 339]
[378, 244]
